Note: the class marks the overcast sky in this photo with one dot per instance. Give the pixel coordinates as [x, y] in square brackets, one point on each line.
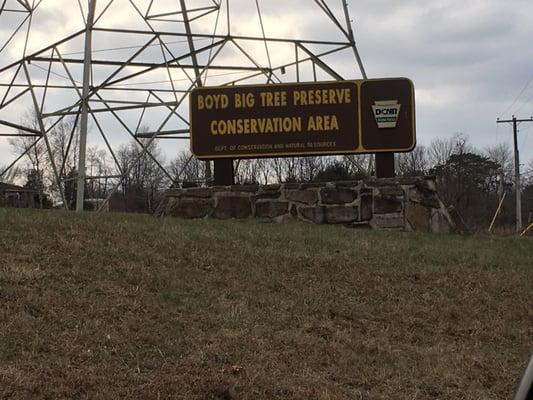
[470, 61]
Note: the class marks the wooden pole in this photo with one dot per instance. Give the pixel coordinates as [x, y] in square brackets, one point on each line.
[527, 230]
[497, 212]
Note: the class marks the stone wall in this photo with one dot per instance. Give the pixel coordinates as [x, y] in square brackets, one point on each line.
[407, 204]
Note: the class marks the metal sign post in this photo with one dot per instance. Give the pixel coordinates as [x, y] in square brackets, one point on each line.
[385, 165]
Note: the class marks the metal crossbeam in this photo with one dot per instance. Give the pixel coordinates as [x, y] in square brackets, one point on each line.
[146, 80]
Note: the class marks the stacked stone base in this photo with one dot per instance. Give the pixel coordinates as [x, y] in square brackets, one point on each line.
[406, 204]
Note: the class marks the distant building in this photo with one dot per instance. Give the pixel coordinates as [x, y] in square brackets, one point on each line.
[18, 196]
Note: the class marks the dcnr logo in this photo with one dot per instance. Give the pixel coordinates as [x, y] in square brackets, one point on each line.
[386, 113]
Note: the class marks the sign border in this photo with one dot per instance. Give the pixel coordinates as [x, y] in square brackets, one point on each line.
[359, 150]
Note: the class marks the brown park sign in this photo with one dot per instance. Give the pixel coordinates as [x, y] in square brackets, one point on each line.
[343, 117]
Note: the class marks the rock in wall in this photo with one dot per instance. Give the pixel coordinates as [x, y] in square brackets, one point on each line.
[405, 204]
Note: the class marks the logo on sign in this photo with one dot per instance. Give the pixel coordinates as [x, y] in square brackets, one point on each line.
[386, 113]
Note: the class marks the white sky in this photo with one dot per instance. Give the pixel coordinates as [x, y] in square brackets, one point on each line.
[469, 61]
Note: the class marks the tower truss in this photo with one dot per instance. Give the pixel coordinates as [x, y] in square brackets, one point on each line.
[128, 69]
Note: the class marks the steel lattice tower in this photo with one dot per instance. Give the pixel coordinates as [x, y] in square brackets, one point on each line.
[133, 64]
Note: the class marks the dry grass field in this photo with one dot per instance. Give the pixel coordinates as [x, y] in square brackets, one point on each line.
[116, 306]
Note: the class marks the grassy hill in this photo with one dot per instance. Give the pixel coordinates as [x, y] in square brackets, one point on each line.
[116, 306]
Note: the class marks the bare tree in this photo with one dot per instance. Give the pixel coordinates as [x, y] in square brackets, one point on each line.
[142, 176]
[276, 165]
[264, 172]
[33, 149]
[529, 173]
[440, 150]
[247, 172]
[283, 169]
[253, 171]
[413, 163]
[63, 139]
[34, 160]
[296, 169]
[309, 167]
[98, 170]
[360, 164]
[187, 168]
[34, 152]
[502, 155]
[12, 175]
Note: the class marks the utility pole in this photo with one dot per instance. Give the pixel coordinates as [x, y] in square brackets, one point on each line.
[515, 123]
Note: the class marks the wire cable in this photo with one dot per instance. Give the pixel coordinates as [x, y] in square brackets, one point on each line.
[525, 103]
[142, 83]
[517, 97]
[132, 47]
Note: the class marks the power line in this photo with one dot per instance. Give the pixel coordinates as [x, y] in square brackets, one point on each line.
[525, 103]
[142, 83]
[134, 47]
[519, 95]
[184, 79]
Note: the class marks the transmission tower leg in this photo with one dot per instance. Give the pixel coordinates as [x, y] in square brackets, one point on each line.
[352, 39]
[80, 195]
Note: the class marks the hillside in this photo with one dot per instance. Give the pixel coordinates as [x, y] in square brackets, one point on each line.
[132, 307]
